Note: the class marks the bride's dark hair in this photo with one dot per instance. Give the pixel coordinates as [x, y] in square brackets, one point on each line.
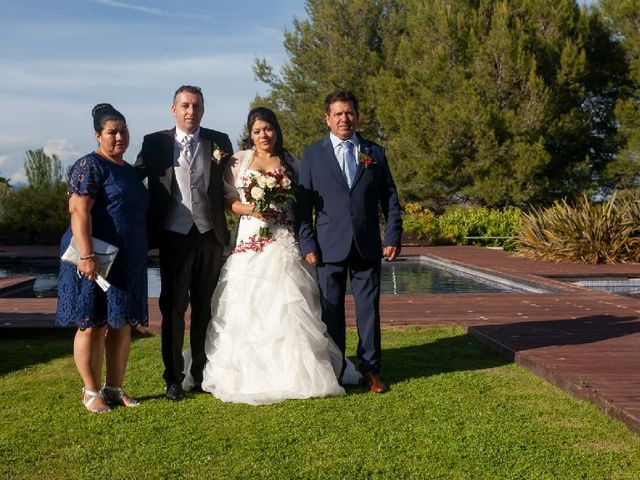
[266, 115]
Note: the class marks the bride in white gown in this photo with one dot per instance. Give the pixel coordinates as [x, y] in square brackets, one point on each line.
[266, 341]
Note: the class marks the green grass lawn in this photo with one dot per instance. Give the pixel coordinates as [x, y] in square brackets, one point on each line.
[455, 411]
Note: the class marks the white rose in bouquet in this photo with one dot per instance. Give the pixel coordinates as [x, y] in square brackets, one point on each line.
[257, 193]
[267, 192]
[271, 182]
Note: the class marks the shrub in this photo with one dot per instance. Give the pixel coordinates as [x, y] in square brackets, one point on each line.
[607, 232]
[41, 214]
[416, 220]
[458, 222]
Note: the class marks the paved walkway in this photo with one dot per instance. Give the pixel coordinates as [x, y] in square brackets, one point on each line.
[582, 340]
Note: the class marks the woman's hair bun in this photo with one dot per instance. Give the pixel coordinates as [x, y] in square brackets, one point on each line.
[102, 113]
[101, 106]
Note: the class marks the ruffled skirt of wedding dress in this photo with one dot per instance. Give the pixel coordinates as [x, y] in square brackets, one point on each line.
[266, 341]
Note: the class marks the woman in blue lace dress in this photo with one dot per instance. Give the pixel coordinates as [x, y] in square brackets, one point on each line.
[107, 201]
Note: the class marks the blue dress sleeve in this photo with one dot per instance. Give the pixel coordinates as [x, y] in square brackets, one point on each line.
[85, 178]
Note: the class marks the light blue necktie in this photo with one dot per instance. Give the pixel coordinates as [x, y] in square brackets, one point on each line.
[349, 162]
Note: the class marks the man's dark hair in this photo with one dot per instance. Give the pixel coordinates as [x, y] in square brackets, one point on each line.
[340, 96]
[189, 89]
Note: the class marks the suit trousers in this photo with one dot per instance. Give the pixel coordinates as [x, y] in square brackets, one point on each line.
[189, 270]
[364, 277]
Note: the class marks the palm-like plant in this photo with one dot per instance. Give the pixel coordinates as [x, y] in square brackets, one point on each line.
[607, 232]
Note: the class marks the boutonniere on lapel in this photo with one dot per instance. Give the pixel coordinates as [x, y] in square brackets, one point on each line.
[218, 154]
[365, 158]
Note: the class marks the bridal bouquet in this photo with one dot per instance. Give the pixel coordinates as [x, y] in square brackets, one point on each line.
[267, 190]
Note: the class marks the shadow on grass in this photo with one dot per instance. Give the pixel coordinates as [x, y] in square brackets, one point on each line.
[22, 348]
[443, 355]
[159, 396]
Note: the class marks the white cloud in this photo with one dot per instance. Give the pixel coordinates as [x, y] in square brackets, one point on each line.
[148, 10]
[48, 102]
[18, 177]
[61, 147]
[52, 74]
[62, 75]
[130, 6]
[14, 139]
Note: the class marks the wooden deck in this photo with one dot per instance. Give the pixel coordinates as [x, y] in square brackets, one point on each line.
[584, 341]
[12, 287]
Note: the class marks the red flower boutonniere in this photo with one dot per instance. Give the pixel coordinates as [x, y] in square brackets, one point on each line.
[365, 159]
[217, 154]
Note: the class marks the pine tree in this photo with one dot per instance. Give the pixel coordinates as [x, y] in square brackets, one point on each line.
[487, 101]
[625, 20]
[339, 46]
[494, 102]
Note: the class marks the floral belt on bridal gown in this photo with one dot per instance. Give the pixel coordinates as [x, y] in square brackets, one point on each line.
[280, 227]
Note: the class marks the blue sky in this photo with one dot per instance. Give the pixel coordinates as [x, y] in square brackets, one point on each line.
[59, 58]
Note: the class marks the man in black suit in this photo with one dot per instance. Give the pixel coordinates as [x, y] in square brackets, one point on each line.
[184, 168]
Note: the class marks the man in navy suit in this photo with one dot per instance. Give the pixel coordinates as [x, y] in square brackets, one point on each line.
[345, 183]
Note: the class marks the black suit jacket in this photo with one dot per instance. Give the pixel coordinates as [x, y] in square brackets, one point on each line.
[155, 163]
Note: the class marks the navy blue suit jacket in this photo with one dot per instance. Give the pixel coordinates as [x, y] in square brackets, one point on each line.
[344, 214]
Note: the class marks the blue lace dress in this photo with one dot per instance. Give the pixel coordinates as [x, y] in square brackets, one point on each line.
[118, 216]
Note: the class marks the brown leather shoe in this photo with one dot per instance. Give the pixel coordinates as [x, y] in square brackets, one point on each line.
[373, 383]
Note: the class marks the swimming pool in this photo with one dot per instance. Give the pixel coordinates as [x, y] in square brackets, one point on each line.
[407, 275]
[627, 286]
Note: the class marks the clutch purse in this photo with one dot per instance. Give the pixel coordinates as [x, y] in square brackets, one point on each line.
[105, 255]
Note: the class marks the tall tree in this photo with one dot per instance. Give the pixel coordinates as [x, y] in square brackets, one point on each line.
[5, 192]
[43, 171]
[339, 46]
[493, 101]
[625, 23]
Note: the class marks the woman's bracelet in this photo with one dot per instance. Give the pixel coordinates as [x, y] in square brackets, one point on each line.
[87, 257]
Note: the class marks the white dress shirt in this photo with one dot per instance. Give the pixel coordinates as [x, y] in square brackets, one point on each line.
[340, 151]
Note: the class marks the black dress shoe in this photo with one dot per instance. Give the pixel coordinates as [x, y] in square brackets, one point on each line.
[174, 392]
[197, 389]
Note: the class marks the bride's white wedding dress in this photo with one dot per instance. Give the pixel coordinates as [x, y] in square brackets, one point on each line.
[266, 341]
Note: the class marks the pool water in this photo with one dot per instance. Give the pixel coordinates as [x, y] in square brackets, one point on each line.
[412, 276]
[629, 287]
[404, 276]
